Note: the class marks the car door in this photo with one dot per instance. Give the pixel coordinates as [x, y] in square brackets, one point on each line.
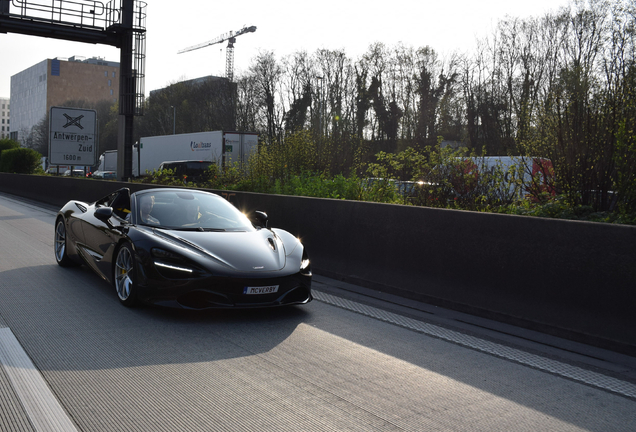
[74, 226]
[101, 238]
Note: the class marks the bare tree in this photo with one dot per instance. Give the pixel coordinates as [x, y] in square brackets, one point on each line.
[267, 73]
[298, 90]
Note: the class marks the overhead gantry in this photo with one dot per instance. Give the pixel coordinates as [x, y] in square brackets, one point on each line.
[119, 23]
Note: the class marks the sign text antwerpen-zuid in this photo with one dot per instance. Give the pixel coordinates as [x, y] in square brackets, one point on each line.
[73, 139]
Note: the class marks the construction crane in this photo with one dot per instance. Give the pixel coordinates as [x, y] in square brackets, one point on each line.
[229, 54]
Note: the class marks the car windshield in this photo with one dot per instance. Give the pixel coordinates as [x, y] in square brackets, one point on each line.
[189, 210]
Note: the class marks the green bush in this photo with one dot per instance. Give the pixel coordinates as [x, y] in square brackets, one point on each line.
[19, 160]
[164, 177]
[319, 185]
[8, 144]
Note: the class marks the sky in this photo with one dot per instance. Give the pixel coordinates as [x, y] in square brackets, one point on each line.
[283, 27]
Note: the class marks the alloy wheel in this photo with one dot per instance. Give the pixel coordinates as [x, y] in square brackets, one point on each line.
[124, 273]
[60, 241]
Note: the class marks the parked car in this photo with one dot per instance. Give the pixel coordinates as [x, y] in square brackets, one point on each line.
[55, 169]
[106, 175]
[183, 248]
[76, 173]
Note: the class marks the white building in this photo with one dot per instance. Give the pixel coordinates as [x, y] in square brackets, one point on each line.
[4, 115]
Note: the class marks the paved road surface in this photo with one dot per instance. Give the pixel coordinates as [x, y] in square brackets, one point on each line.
[73, 358]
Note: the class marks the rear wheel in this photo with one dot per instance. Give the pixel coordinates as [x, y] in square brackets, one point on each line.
[125, 276]
[60, 244]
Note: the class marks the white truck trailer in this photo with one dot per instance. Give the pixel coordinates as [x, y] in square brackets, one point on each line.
[108, 161]
[221, 147]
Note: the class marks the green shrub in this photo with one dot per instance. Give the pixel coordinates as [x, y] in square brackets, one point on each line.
[8, 144]
[19, 160]
[164, 177]
[320, 185]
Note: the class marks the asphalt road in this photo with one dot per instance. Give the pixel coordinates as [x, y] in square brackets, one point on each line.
[73, 358]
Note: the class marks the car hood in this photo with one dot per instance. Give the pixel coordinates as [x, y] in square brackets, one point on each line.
[257, 251]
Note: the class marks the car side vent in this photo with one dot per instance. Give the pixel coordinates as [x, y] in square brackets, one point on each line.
[271, 243]
[81, 207]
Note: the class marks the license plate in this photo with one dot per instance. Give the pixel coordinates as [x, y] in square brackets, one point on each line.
[261, 290]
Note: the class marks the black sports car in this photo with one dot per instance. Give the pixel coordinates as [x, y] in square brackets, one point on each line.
[183, 248]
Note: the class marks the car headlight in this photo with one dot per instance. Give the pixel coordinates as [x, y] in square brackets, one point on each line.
[171, 265]
[305, 265]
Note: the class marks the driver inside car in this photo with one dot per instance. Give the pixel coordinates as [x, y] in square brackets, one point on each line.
[146, 203]
[192, 214]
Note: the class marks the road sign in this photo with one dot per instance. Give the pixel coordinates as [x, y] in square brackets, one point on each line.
[73, 136]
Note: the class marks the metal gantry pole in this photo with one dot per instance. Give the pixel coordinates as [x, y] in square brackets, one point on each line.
[126, 94]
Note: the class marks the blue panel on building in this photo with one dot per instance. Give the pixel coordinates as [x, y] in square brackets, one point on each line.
[55, 68]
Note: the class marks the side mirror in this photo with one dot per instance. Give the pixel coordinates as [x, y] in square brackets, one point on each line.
[104, 213]
[260, 218]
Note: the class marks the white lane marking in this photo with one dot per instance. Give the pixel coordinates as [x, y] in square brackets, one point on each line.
[548, 365]
[40, 404]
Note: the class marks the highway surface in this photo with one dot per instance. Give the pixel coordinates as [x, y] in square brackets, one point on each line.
[73, 359]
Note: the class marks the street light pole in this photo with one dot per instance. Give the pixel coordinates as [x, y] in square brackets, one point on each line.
[320, 105]
[174, 120]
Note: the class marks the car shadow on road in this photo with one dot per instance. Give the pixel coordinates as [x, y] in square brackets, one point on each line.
[72, 319]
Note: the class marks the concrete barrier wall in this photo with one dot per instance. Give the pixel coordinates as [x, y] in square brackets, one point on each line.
[573, 279]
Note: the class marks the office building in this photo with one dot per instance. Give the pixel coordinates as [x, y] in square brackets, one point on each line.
[53, 82]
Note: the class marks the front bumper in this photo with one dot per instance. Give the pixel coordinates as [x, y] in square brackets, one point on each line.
[227, 292]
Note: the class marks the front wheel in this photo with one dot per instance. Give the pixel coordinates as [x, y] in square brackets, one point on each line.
[61, 256]
[125, 276]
